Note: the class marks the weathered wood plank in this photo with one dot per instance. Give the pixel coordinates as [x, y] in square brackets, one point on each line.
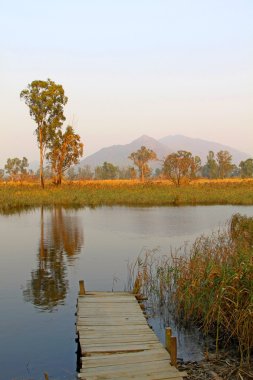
[128, 329]
[149, 367]
[118, 339]
[118, 347]
[113, 298]
[137, 357]
[147, 335]
[160, 376]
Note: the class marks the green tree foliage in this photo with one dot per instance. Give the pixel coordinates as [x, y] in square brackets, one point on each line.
[133, 173]
[85, 172]
[127, 173]
[141, 158]
[1, 174]
[181, 167]
[16, 168]
[246, 168]
[71, 173]
[224, 161]
[158, 173]
[65, 150]
[45, 100]
[106, 171]
[210, 169]
[235, 171]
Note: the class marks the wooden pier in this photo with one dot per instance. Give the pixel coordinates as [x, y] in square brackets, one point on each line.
[116, 342]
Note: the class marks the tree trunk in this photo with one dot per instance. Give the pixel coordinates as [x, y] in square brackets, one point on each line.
[41, 159]
[142, 173]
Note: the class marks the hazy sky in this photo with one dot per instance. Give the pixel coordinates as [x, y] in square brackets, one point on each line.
[129, 68]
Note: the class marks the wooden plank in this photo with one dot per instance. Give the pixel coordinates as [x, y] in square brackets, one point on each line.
[136, 357]
[102, 335]
[109, 294]
[148, 367]
[109, 323]
[128, 329]
[110, 311]
[118, 339]
[103, 299]
[160, 376]
[120, 347]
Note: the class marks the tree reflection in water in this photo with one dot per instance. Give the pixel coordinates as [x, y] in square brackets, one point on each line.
[61, 237]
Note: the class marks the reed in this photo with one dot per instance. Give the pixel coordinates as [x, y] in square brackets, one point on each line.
[126, 192]
[211, 285]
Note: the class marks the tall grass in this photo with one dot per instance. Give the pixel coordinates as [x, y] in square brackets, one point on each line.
[126, 192]
[211, 286]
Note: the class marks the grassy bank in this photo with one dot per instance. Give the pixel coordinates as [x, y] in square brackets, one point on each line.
[126, 192]
[211, 286]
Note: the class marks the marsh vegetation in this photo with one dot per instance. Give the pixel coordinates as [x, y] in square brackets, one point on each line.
[126, 192]
[210, 286]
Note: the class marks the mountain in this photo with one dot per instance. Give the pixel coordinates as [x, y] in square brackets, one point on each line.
[118, 154]
[199, 147]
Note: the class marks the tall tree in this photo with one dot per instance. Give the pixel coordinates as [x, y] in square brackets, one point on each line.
[181, 167]
[45, 100]
[126, 172]
[85, 172]
[16, 168]
[224, 161]
[210, 169]
[106, 171]
[141, 158]
[246, 168]
[65, 150]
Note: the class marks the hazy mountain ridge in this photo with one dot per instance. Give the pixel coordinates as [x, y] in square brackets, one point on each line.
[118, 154]
[200, 147]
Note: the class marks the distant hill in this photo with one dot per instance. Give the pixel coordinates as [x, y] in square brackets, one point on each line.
[199, 147]
[118, 154]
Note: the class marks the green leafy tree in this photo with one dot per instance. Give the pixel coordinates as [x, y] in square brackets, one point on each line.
[224, 161]
[210, 169]
[141, 158]
[16, 168]
[45, 100]
[71, 173]
[181, 167]
[133, 173]
[65, 151]
[235, 171]
[106, 171]
[85, 172]
[126, 172]
[1, 174]
[246, 168]
[158, 173]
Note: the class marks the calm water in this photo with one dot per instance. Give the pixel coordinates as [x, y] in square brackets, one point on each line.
[45, 252]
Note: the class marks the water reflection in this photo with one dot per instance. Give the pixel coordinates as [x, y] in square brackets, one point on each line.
[61, 238]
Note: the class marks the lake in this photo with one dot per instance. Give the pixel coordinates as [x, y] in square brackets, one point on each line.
[46, 251]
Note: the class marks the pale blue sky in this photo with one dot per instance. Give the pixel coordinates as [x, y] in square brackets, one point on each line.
[129, 68]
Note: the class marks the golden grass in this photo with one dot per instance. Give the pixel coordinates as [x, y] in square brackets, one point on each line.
[126, 192]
